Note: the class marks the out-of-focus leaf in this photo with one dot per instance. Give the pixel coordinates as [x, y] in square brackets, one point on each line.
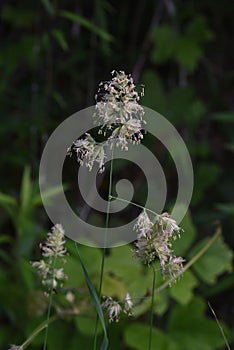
[215, 261]
[86, 325]
[5, 238]
[136, 337]
[225, 117]
[155, 96]
[124, 267]
[7, 200]
[26, 190]
[48, 6]
[165, 39]
[95, 300]
[189, 322]
[188, 53]
[59, 99]
[203, 181]
[47, 195]
[18, 18]
[60, 37]
[8, 203]
[226, 208]
[181, 245]
[182, 290]
[113, 287]
[26, 271]
[193, 109]
[87, 24]
[198, 30]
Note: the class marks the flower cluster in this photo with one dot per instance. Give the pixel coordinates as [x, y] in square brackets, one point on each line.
[89, 150]
[119, 104]
[114, 308]
[119, 114]
[53, 252]
[154, 241]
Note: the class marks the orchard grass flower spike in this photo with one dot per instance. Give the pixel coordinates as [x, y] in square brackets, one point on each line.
[53, 252]
[119, 116]
[114, 308]
[90, 151]
[154, 241]
[118, 110]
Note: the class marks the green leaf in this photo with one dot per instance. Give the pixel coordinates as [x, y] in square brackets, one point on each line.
[7, 200]
[216, 260]
[59, 36]
[86, 325]
[190, 329]
[193, 109]
[95, 300]
[59, 99]
[91, 259]
[165, 39]
[155, 96]
[180, 246]
[198, 30]
[47, 195]
[9, 204]
[26, 271]
[87, 24]
[226, 117]
[121, 264]
[26, 190]
[113, 287]
[48, 6]
[188, 53]
[182, 290]
[203, 180]
[136, 337]
[5, 238]
[18, 18]
[226, 208]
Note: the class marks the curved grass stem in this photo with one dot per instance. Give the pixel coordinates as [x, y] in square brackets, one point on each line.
[43, 326]
[135, 204]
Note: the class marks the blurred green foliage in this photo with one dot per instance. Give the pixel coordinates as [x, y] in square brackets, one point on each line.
[52, 57]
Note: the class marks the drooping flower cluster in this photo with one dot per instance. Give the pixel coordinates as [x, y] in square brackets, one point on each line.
[90, 151]
[54, 252]
[114, 308]
[154, 241]
[119, 114]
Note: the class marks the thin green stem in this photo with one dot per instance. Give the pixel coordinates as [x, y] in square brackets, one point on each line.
[152, 310]
[39, 329]
[105, 242]
[220, 327]
[135, 204]
[44, 325]
[49, 306]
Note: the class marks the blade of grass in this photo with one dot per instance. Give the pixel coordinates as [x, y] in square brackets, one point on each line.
[95, 300]
[219, 325]
[87, 24]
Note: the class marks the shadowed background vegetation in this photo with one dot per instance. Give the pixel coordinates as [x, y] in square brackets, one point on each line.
[53, 54]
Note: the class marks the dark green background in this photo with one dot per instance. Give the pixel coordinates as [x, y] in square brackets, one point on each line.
[53, 54]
